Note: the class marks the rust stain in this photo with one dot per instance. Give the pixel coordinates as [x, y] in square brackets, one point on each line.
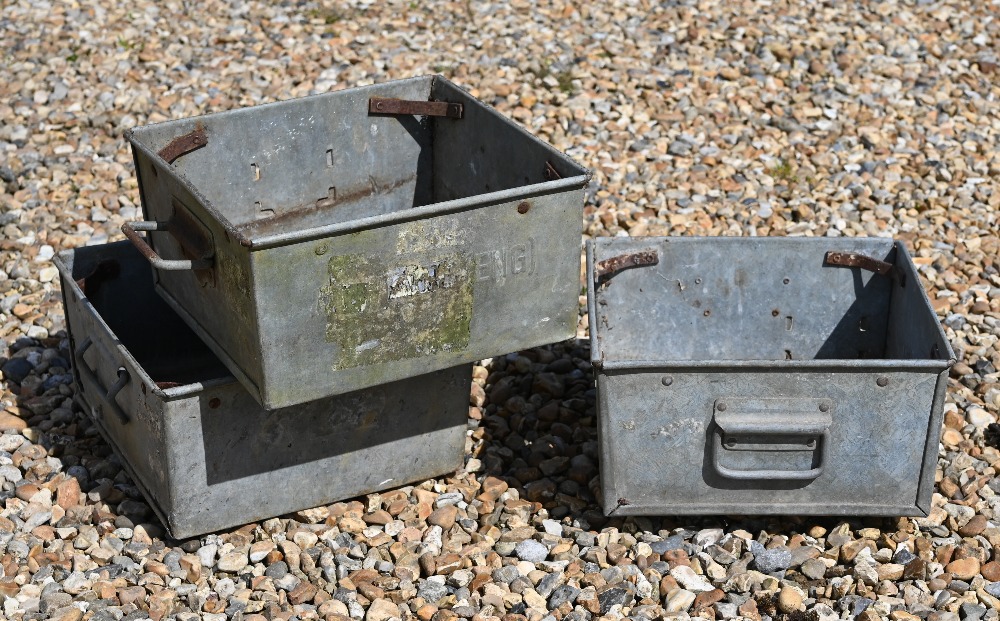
[361, 192]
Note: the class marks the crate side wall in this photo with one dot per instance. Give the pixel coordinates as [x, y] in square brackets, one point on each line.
[363, 308]
[914, 330]
[237, 463]
[486, 152]
[659, 432]
[278, 159]
[139, 440]
[740, 299]
[217, 302]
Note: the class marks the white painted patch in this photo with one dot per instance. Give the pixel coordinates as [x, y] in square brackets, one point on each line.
[367, 345]
[374, 129]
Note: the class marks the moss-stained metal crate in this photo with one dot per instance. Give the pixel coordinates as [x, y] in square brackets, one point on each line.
[764, 376]
[339, 241]
[204, 453]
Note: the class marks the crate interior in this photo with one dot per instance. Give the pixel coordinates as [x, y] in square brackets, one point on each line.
[118, 282]
[719, 299]
[322, 160]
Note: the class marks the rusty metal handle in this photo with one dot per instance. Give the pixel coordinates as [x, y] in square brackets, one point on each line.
[607, 268]
[91, 383]
[783, 475]
[130, 228]
[854, 259]
[389, 106]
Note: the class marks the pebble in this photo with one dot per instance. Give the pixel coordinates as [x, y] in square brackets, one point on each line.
[691, 581]
[679, 600]
[531, 551]
[789, 600]
[770, 561]
[233, 562]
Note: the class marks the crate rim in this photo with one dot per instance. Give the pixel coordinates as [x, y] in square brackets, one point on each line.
[264, 242]
[837, 364]
[72, 288]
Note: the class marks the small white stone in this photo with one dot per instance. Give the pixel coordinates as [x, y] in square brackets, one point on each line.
[979, 417]
[679, 600]
[37, 332]
[45, 252]
[233, 562]
[552, 527]
[687, 578]
[206, 554]
[48, 274]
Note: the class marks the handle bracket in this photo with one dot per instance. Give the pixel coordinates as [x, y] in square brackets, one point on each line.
[854, 259]
[130, 229]
[399, 107]
[91, 382]
[765, 425]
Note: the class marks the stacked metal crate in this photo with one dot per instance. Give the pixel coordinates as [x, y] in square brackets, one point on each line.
[321, 274]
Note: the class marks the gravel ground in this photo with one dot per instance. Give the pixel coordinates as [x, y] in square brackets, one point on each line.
[734, 118]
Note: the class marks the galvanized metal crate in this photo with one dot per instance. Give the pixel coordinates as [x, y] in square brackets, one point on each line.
[339, 241]
[203, 452]
[764, 376]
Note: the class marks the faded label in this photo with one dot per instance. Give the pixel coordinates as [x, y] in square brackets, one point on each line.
[417, 279]
[378, 313]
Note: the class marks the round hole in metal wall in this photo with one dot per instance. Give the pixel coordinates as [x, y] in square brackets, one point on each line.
[785, 281]
[214, 402]
[775, 312]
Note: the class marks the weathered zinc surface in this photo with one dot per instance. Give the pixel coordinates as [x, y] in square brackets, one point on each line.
[799, 375]
[204, 453]
[337, 242]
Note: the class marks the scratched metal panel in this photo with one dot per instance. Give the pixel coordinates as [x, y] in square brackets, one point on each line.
[204, 453]
[351, 249]
[799, 387]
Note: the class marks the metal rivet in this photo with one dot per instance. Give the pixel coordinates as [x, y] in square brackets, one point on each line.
[811, 443]
[731, 443]
[321, 250]
[824, 407]
[378, 105]
[882, 381]
[667, 380]
[523, 207]
[707, 313]
[720, 406]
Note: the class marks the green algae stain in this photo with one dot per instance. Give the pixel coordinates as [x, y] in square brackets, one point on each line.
[378, 312]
